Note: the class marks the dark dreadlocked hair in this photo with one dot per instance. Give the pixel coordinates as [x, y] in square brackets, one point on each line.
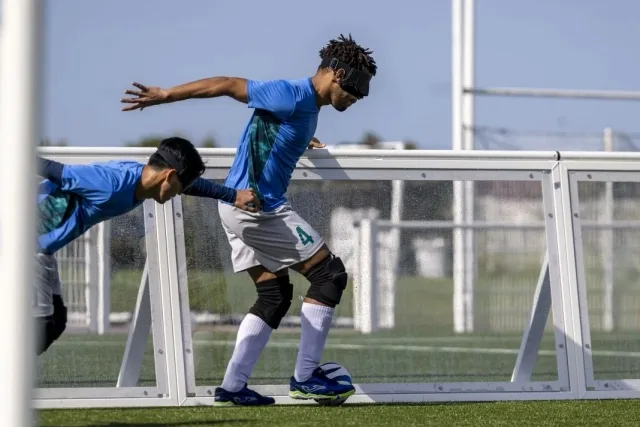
[348, 51]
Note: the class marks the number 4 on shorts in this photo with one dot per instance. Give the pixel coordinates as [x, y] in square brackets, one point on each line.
[304, 237]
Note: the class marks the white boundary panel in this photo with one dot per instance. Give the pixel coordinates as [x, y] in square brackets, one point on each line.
[464, 93]
[560, 290]
[153, 316]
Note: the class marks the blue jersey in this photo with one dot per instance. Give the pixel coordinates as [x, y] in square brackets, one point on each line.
[276, 136]
[84, 196]
[74, 198]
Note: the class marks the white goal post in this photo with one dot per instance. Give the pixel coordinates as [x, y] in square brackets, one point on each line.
[162, 309]
[20, 63]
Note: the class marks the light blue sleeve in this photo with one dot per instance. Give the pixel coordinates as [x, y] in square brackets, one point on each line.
[94, 182]
[276, 96]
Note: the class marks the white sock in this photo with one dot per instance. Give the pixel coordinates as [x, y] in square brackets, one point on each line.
[253, 335]
[316, 322]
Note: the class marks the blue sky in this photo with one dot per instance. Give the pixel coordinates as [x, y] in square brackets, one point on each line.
[94, 50]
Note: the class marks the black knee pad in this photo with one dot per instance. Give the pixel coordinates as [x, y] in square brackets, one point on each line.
[44, 328]
[274, 300]
[59, 316]
[50, 328]
[328, 280]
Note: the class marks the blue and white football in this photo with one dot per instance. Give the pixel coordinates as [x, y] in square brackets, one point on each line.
[339, 373]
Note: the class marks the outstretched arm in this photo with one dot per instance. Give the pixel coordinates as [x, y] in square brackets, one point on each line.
[213, 87]
[241, 199]
[276, 96]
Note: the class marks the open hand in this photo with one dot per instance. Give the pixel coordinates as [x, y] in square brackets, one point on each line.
[145, 97]
[315, 143]
[247, 200]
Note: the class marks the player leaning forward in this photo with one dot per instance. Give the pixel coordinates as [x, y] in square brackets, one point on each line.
[268, 243]
[74, 198]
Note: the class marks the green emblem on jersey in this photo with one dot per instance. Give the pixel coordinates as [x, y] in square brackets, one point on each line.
[52, 211]
[263, 132]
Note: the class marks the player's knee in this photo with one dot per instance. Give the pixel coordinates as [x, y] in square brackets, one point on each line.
[328, 280]
[274, 300]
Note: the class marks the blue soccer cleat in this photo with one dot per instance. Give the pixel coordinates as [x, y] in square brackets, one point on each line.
[244, 397]
[319, 387]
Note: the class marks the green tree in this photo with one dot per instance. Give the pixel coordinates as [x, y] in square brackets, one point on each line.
[371, 139]
[209, 142]
[410, 144]
[154, 141]
[47, 142]
[146, 141]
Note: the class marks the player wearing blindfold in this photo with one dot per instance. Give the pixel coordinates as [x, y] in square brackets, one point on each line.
[276, 239]
[74, 198]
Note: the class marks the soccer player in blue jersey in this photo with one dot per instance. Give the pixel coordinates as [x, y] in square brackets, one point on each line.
[269, 243]
[74, 198]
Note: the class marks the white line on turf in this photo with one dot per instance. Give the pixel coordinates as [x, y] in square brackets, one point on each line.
[293, 344]
[417, 348]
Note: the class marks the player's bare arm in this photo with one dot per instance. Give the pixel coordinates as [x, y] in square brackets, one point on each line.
[213, 87]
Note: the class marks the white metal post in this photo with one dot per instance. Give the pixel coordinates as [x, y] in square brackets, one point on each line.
[182, 288]
[468, 49]
[91, 274]
[19, 129]
[606, 245]
[367, 290]
[534, 330]
[104, 277]
[181, 368]
[456, 74]
[570, 250]
[138, 335]
[459, 325]
[358, 250]
[562, 264]
[619, 95]
[388, 270]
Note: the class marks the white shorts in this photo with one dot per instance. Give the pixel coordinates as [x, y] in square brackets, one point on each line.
[275, 240]
[47, 284]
